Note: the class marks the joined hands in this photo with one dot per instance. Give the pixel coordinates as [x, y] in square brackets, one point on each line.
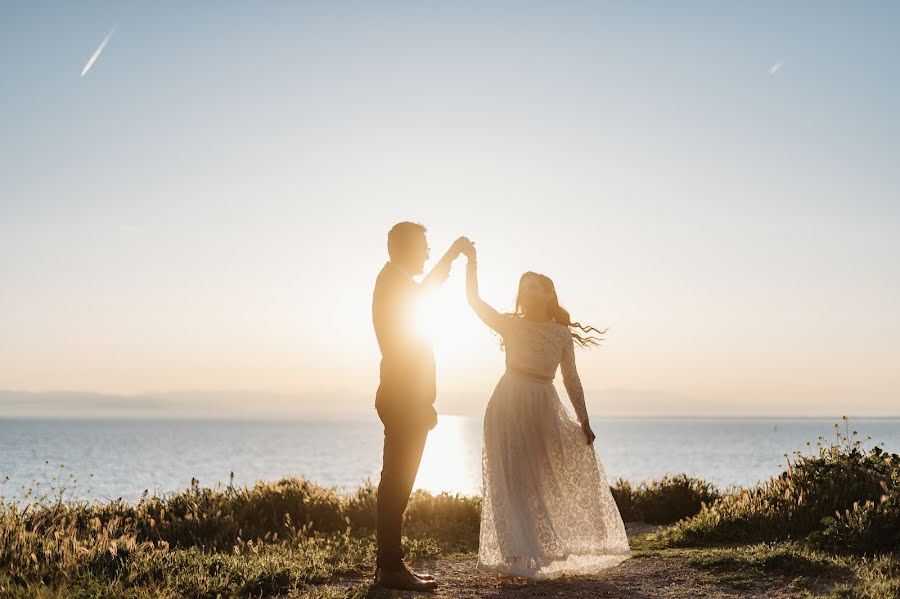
[466, 247]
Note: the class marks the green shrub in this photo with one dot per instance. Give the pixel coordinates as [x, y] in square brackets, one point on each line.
[666, 500]
[867, 527]
[841, 496]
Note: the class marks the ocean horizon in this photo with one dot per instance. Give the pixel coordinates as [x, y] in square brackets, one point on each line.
[109, 458]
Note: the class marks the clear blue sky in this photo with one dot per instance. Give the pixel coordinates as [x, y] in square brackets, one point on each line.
[206, 207]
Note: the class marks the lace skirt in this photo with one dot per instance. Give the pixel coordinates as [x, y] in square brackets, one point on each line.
[547, 508]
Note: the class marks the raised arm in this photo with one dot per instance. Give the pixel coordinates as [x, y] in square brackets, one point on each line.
[439, 274]
[575, 391]
[485, 312]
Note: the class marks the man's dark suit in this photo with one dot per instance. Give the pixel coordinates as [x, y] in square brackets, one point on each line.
[404, 399]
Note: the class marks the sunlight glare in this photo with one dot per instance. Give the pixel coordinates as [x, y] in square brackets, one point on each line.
[450, 458]
[445, 319]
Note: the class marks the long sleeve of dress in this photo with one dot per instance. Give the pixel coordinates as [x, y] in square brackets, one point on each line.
[572, 381]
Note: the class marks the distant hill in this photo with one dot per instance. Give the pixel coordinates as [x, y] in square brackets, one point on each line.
[180, 404]
[240, 404]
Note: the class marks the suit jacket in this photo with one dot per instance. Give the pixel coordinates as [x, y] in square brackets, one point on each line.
[407, 388]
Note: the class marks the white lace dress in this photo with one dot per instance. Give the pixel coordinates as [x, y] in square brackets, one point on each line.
[547, 510]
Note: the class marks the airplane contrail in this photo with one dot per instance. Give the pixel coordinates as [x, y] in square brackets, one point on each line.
[97, 52]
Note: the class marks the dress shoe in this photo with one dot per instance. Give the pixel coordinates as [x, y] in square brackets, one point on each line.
[417, 574]
[425, 577]
[413, 572]
[402, 580]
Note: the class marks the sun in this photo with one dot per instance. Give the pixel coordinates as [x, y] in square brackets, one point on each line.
[444, 318]
[464, 347]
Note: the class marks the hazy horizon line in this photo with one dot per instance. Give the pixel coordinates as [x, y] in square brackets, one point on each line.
[374, 416]
[263, 406]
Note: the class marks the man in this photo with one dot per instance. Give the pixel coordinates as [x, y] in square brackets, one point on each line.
[406, 392]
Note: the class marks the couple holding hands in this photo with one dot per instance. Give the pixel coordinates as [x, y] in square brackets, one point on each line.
[547, 509]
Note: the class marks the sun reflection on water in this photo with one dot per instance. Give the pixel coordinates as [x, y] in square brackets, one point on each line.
[450, 462]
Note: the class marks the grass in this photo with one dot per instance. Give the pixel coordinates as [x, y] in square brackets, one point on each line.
[834, 512]
[273, 538]
[841, 497]
[828, 525]
[808, 572]
[663, 501]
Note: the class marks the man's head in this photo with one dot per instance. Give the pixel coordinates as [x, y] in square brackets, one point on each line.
[408, 247]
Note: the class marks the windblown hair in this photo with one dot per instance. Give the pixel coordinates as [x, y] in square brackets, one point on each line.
[559, 314]
[400, 235]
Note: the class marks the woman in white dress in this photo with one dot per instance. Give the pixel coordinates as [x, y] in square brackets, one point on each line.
[547, 508]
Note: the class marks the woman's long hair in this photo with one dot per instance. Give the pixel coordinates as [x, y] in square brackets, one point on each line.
[559, 314]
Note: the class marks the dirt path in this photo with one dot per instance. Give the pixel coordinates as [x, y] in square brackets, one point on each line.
[643, 576]
[638, 577]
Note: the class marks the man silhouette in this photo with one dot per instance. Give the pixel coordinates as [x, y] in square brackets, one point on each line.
[407, 390]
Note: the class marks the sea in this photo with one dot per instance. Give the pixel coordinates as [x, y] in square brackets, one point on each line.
[110, 459]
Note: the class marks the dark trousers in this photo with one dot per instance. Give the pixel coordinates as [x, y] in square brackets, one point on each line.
[404, 441]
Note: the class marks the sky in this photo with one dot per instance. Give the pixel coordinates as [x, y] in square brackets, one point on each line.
[203, 205]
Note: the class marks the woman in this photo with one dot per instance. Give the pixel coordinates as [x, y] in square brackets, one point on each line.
[547, 508]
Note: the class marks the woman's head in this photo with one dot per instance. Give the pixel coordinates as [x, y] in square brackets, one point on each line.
[537, 294]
